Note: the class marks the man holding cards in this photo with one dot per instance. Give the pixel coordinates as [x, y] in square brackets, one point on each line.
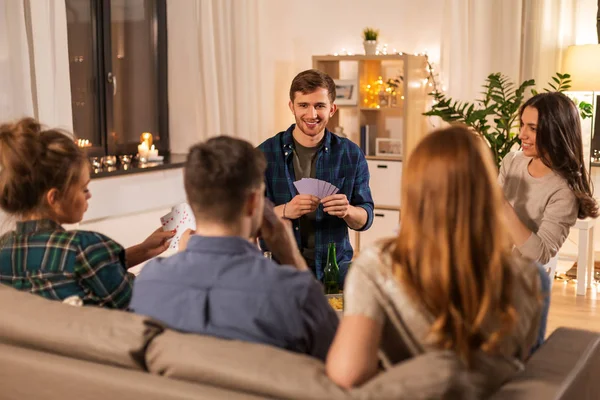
[219, 283]
[317, 179]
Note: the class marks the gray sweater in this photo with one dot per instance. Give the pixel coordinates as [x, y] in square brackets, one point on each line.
[546, 206]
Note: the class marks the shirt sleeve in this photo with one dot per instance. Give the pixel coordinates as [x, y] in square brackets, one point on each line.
[320, 321]
[360, 293]
[504, 168]
[100, 266]
[361, 193]
[559, 215]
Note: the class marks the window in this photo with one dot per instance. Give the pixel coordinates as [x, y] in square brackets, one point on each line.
[118, 70]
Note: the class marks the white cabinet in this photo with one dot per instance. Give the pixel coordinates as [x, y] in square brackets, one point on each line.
[385, 224]
[386, 178]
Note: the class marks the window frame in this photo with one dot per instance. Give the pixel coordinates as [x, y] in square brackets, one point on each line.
[102, 66]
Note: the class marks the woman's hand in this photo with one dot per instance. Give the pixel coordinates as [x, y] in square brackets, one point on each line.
[157, 242]
[154, 245]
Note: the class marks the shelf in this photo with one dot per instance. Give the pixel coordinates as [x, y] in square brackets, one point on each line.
[361, 57]
[404, 120]
[386, 208]
[384, 158]
[379, 109]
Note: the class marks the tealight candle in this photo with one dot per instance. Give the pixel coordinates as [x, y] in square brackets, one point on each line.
[152, 153]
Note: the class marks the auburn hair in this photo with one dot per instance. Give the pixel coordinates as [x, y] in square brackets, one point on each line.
[453, 252]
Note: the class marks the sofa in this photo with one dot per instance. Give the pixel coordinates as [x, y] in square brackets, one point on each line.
[51, 350]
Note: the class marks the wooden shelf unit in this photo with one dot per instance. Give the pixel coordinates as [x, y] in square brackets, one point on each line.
[403, 121]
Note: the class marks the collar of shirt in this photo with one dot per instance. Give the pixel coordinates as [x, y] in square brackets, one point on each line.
[25, 227]
[220, 244]
[287, 140]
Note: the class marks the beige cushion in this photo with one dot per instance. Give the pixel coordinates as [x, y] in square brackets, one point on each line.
[434, 375]
[33, 375]
[253, 368]
[86, 333]
[565, 367]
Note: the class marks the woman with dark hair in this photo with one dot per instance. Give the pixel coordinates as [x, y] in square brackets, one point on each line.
[448, 281]
[546, 185]
[44, 181]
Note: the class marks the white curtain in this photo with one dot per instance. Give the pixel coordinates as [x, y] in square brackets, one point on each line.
[34, 63]
[214, 85]
[47, 22]
[522, 39]
[15, 80]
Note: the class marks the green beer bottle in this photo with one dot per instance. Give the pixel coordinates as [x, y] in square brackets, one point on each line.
[331, 274]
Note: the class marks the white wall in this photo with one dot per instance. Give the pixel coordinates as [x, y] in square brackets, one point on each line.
[292, 32]
[585, 22]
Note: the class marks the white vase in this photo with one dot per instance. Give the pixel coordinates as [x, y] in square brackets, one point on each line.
[370, 47]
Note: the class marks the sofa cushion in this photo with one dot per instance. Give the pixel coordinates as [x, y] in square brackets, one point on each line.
[86, 333]
[434, 375]
[254, 368]
[58, 378]
[565, 367]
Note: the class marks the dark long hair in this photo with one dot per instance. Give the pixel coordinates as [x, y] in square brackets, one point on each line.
[559, 145]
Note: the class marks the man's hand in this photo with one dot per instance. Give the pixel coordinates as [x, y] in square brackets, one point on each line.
[278, 235]
[336, 204]
[183, 240]
[301, 204]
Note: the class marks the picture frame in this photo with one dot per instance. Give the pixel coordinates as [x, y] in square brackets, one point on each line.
[385, 147]
[346, 92]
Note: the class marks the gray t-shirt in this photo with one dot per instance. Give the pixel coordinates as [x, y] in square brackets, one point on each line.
[546, 205]
[305, 160]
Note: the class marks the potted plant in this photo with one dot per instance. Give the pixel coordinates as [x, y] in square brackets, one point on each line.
[495, 116]
[370, 41]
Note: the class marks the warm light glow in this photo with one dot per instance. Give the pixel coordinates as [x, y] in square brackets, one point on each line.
[147, 138]
[581, 62]
[83, 143]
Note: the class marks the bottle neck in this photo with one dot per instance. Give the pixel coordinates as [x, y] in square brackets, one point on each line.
[331, 256]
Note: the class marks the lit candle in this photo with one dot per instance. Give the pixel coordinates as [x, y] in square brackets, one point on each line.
[147, 138]
[143, 150]
[152, 153]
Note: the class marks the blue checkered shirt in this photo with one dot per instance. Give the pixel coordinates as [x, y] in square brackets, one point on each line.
[339, 162]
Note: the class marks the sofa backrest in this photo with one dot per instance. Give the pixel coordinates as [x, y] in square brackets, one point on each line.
[87, 333]
[271, 372]
[254, 368]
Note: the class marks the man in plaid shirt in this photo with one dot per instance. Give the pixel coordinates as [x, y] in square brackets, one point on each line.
[308, 150]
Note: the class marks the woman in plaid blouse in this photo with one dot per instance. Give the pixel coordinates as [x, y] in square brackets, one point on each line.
[44, 179]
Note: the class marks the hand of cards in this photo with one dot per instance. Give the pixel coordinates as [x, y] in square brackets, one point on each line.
[181, 218]
[315, 187]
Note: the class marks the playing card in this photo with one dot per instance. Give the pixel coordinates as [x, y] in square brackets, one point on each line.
[168, 222]
[181, 218]
[315, 187]
[301, 186]
[332, 190]
[321, 186]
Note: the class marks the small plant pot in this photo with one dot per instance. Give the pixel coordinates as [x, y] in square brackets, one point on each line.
[370, 47]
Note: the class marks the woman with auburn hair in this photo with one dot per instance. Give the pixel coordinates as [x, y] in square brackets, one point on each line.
[449, 281]
[546, 185]
[44, 181]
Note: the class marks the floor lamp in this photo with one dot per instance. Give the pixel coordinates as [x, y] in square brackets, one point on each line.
[582, 63]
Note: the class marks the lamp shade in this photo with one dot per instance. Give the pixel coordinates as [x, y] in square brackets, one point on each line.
[583, 64]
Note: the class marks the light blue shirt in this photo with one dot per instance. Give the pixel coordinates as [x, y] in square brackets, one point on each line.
[224, 287]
